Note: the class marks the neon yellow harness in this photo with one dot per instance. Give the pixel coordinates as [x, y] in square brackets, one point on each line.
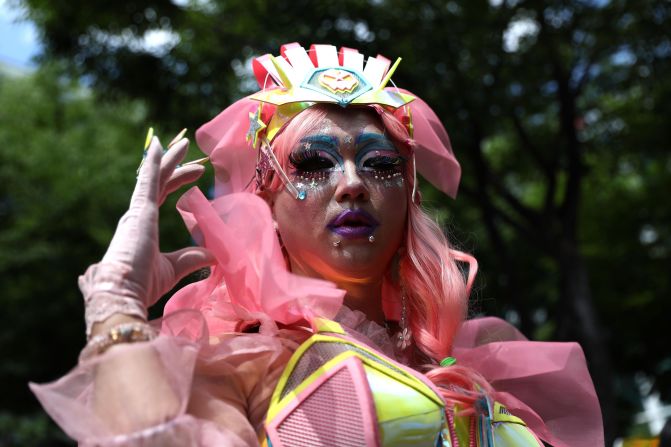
[336, 391]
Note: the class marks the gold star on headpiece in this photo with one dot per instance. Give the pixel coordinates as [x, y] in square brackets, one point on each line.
[256, 126]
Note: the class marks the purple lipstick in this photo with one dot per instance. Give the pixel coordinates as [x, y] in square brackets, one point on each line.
[353, 224]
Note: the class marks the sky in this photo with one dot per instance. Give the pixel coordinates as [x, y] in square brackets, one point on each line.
[18, 38]
[19, 41]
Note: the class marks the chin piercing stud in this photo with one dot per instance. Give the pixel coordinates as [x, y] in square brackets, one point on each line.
[371, 238]
[336, 243]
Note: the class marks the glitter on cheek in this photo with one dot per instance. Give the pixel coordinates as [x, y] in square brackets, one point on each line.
[388, 181]
[316, 181]
[388, 178]
[394, 182]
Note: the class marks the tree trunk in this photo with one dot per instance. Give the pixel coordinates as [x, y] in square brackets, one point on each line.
[578, 320]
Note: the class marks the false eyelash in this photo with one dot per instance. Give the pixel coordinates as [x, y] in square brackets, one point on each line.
[383, 162]
[296, 158]
[309, 160]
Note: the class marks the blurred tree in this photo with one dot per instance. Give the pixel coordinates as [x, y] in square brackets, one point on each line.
[556, 108]
[67, 168]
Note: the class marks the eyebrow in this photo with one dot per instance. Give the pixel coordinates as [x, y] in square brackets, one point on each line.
[368, 137]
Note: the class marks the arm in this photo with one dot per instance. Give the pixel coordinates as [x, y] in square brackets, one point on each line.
[186, 389]
[132, 391]
[132, 387]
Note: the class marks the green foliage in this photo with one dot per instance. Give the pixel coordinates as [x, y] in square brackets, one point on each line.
[562, 135]
[35, 430]
[67, 168]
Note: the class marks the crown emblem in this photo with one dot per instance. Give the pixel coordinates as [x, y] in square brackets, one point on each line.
[338, 81]
[341, 84]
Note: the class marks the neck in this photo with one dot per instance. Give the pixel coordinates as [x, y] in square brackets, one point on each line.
[362, 295]
[366, 298]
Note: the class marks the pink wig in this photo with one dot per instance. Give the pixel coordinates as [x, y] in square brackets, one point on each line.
[428, 273]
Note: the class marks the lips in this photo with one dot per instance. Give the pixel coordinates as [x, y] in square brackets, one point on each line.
[352, 224]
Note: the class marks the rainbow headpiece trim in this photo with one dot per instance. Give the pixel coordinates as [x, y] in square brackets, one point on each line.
[298, 79]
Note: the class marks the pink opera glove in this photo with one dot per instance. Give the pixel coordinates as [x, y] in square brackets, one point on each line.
[134, 274]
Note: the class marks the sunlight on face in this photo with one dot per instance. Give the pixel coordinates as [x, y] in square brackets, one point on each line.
[353, 176]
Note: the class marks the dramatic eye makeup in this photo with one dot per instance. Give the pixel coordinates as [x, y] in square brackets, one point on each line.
[378, 157]
[317, 157]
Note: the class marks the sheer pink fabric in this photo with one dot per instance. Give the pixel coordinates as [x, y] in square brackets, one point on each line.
[250, 282]
[223, 403]
[70, 400]
[433, 151]
[224, 380]
[546, 384]
[224, 384]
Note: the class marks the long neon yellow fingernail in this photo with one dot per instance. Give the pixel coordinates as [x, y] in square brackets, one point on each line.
[200, 161]
[150, 135]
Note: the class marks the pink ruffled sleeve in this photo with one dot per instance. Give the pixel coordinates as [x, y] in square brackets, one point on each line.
[249, 283]
[223, 385]
[222, 382]
[546, 384]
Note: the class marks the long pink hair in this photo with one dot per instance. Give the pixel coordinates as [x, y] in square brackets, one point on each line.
[428, 272]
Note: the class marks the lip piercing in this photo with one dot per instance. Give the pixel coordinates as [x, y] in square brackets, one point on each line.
[371, 238]
[336, 243]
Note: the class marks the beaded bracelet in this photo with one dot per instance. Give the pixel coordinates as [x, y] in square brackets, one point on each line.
[123, 333]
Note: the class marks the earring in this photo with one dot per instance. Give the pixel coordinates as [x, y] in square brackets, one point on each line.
[404, 335]
[371, 238]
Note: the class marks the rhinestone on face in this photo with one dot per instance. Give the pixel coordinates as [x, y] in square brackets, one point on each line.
[301, 195]
[115, 335]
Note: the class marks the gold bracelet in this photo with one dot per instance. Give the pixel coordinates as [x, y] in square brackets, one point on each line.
[122, 333]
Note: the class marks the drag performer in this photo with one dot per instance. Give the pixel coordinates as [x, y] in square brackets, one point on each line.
[333, 313]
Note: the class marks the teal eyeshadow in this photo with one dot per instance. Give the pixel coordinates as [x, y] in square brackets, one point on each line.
[372, 142]
[326, 143]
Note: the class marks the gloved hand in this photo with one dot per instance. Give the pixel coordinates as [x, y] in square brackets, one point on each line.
[133, 273]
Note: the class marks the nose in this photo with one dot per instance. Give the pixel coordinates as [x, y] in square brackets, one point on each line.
[351, 186]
